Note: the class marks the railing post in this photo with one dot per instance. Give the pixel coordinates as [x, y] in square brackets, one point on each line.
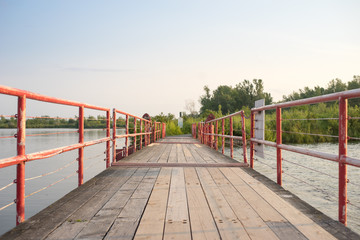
[114, 136]
[343, 136]
[216, 137]
[243, 131]
[206, 136]
[135, 135]
[145, 131]
[252, 135]
[212, 135]
[127, 137]
[20, 169]
[81, 150]
[223, 138]
[164, 130]
[231, 139]
[199, 131]
[108, 145]
[203, 133]
[141, 131]
[147, 134]
[154, 136]
[278, 142]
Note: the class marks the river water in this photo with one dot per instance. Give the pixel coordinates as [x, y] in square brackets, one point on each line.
[312, 179]
[93, 164]
[314, 187]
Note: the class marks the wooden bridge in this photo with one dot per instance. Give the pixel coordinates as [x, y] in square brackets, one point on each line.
[178, 188]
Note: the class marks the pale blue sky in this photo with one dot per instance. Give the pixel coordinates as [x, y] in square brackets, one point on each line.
[152, 56]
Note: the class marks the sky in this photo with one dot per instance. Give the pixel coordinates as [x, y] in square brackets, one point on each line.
[153, 56]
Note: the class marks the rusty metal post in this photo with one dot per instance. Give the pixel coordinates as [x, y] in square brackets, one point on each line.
[343, 137]
[206, 131]
[243, 131]
[108, 145]
[127, 137]
[20, 169]
[278, 150]
[252, 135]
[223, 138]
[81, 150]
[154, 131]
[145, 131]
[199, 131]
[216, 137]
[212, 141]
[135, 135]
[231, 139]
[202, 133]
[114, 136]
[141, 131]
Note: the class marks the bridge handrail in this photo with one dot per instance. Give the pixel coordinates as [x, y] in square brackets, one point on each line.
[22, 157]
[208, 133]
[205, 133]
[341, 157]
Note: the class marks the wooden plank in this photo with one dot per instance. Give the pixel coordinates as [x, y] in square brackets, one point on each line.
[126, 223]
[177, 219]
[201, 220]
[79, 219]
[285, 230]
[139, 155]
[257, 202]
[178, 164]
[152, 222]
[227, 222]
[268, 214]
[145, 187]
[165, 155]
[46, 221]
[305, 225]
[206, 153]
[180, 153]
[188, 156]
[158, 151]
[254, 225]
[172, 156]
[195, 154]
[98, 226]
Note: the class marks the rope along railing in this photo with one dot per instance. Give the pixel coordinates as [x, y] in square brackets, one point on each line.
[147, 130]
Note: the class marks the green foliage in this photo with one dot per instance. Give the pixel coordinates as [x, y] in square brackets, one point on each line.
[172, 128]
[335, 85]
[231, 99]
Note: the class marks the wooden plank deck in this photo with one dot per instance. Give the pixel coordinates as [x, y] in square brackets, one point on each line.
[179, 203]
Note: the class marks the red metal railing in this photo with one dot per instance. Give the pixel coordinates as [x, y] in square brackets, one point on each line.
[205, 133]
[209, 133]
[146, 129]
[341, 158]
[145, 132]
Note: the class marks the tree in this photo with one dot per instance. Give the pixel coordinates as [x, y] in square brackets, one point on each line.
[234, 99]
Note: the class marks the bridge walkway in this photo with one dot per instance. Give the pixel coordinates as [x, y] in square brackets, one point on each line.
[179, 202]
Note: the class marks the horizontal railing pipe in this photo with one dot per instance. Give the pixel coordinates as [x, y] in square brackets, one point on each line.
[325, 98]
[146, 129]
[342, 158]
